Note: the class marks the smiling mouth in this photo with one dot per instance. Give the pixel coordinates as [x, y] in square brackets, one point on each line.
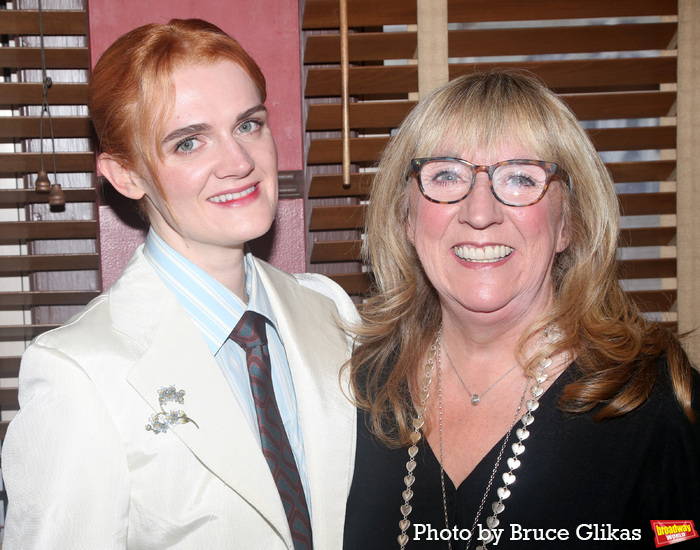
[233, 196]
[487, 254]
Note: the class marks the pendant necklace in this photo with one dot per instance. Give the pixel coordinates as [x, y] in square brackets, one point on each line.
[513, 462]
[476, 397]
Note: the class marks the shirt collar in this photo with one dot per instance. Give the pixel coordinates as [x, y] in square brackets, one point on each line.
[214, 309]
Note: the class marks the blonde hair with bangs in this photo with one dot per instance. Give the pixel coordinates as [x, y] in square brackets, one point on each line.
[615, 347]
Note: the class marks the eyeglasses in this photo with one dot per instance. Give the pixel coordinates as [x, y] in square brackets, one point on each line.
[518, 182]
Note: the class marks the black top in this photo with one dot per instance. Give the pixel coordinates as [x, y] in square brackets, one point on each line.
[601, 482]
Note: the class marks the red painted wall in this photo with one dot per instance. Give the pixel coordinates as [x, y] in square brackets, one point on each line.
[269, 31]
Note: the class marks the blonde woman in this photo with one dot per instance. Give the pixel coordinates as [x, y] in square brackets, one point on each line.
[510, 393]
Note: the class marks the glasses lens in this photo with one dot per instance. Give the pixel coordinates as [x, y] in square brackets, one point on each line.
[519, 184]
[445, 180]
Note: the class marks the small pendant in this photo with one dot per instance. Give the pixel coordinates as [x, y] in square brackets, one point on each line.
[475, 399]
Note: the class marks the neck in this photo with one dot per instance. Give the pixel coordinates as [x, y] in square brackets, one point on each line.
[481, 354]
[225, 264]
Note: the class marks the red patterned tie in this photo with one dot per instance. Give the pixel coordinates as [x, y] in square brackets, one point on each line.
[250, 334]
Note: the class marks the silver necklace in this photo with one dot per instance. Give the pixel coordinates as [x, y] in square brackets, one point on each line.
[476, 397]
[513, 462]
[418, 422]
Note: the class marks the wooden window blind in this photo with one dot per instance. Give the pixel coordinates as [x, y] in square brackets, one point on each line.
[614, 63]
[48, 258]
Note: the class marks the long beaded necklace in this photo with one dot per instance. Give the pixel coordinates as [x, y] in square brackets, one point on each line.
[513, 462]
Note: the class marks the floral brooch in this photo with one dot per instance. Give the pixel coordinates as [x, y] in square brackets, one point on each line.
[160, 422]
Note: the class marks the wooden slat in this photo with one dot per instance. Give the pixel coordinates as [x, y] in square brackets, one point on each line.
[648, 269]
[630, 172]
[54, 22]
[324, 14]
[17, 265]
[375, 114]
[366, 46]
[560, 40]
[644, 204]
[488, 10]
[634, 138]
[589, 75]
[363, 80]
[330, 151]
[56, 58]
[379, 46]
[71, 229]
[45, 298]
[648, 236]
[8, 399]
[331, 185]
[332, 218]
[24, 127]
[336, 251]
[13, 198]
[653, 300]
[3, 428]
[352, 283]
[21, 332]
[9, 367]
[12, 163]
[602, 106]
[30, 93]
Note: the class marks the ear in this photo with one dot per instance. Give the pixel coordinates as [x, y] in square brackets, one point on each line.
[564, 238]
[127, 182]
[409, 223]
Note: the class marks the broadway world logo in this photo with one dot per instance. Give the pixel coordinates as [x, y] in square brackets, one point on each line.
[670, 532]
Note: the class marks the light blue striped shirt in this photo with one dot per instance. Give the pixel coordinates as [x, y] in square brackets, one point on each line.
[215, 311]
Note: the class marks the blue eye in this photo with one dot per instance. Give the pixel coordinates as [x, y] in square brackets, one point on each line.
[186, 145]
[250, 126]
[445, 177]
[521, 181]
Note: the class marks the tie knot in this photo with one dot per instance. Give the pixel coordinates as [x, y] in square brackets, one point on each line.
[250, 330]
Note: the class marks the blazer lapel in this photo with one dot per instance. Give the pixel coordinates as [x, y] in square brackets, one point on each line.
[177, 355]
[315, 350]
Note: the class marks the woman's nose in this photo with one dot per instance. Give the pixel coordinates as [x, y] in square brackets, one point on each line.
[235, 160]
[481, 208]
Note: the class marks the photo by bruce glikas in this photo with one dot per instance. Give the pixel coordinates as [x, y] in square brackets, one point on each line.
[516, 533]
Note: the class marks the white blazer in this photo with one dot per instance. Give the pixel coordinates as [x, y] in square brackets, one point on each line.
[82, 471]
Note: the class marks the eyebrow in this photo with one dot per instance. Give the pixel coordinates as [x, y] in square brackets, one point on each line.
[186, 131]
[259, 108]
[204, 127]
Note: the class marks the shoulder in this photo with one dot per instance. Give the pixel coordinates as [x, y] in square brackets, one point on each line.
[93, 318]
[310, 287]
[119, 321]
[329, 288]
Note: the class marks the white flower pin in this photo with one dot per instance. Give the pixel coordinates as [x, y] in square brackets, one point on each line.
[160, 422]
